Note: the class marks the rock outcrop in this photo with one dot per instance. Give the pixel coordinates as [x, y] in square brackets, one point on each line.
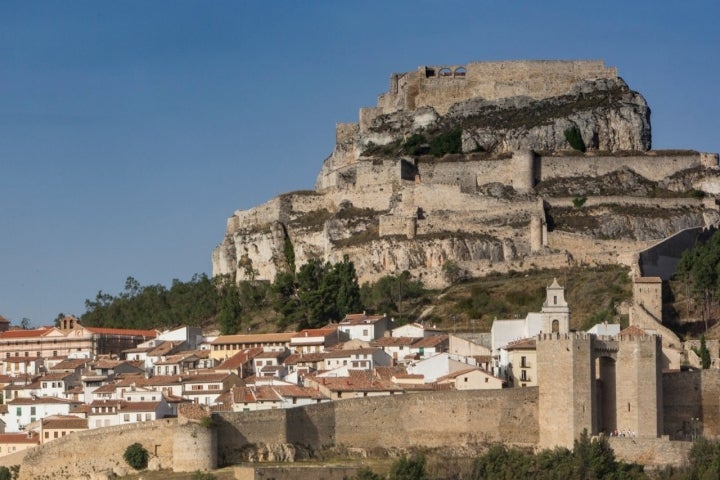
[477, 166]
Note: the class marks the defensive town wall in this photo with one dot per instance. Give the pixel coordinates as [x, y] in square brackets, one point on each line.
[82, 454]
[400, 421]
[690, 406]
[469, 419]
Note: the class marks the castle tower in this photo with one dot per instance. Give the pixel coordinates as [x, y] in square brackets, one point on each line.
[555, 311]
[647, 294]
[565, 373]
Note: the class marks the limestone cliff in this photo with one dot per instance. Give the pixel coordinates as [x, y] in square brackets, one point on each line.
[474, 164]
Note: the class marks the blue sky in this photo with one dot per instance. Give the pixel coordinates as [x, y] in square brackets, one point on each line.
[130, 131]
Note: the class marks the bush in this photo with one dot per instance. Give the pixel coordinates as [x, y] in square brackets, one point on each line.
[449, 142]
[409, 469]
[578, 202]
[136, 456]
[574, 138]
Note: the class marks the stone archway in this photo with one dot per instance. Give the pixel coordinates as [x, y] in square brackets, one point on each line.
[606, 395]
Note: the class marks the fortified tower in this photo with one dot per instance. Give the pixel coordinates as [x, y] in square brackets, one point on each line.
[599, 384]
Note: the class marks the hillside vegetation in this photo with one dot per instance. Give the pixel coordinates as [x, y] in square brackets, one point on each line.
[595, 295]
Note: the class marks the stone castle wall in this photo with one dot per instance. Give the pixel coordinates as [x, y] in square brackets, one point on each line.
[689, 396]
[432, 420]
[81, 454]
[442, 86]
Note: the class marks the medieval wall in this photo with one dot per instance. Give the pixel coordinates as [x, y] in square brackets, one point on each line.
[83, 453]
[651, 452]
[432, 420]
[691, 404]
[442, 86]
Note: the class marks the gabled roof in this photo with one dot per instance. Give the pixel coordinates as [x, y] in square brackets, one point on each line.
[633, 330]
[457, 373]
[69, 364]
[240, 358]
[315, 332]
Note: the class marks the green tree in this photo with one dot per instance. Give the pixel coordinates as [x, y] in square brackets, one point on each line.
[703, 353]
[136, 456]
[230, 310]
[4, 473]
[412, 468]
[452, 272]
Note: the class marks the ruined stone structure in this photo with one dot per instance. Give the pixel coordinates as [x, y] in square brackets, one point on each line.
[516, 196]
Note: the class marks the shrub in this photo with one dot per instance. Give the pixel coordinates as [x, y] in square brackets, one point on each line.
[4, 473]
[409, 469]
[136, 456]
[574, 138]
[448, 142]
[578, 202]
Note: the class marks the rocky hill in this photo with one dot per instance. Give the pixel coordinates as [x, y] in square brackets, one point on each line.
[496, 166]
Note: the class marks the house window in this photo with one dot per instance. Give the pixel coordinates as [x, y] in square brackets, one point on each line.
[138, 417]
[126, 417]
[148, 417]
[554, 299]
[18, 411]
[523, 375]
[32, 410]
[523, 362]
[365, 332]
[555, 326]
[47, 434]
[486, 380]
[55, 434]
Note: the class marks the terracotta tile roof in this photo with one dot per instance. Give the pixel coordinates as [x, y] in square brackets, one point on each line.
[270, 354]
[633, 330]
[122, 331]
[70, 364]
[256, 338]
[163, 349]
[21, 359]
[20, 438]
[393, 342]
[83, 408]
[316, 332]
[523, 344]
[386, 373]
[299, 358]
[240, 358]
[38, 332]
[107, 388]
[139, 406]
[64, 421]
[4, 320]
[4, 409]
[457, 373]
[430, 342]
[358, 381]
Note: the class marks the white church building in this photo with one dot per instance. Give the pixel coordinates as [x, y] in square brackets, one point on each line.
[553, 317]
